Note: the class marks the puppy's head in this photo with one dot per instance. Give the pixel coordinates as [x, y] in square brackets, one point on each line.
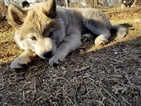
[37, 27]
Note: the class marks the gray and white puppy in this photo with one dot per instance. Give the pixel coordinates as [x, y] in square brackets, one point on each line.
[52, 32]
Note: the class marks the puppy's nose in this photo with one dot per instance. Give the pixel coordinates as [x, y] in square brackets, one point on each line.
[48, 54]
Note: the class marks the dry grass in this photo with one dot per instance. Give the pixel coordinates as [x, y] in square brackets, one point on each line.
[90, 76]
[3, 11]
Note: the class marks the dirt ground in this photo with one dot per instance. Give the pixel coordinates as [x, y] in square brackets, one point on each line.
[109, 75]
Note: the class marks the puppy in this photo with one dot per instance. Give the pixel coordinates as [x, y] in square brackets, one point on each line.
[52, 32]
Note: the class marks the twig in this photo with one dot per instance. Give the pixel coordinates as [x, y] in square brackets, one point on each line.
[82, 69]
[113, 96]
[75, 95]
[125, 100]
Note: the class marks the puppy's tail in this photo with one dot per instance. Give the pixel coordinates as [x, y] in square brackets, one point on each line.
[119, 31]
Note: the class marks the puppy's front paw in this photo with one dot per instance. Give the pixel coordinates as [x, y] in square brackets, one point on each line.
[56, 59]
[19, 62]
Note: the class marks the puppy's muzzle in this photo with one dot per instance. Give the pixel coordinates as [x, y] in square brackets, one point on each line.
[47, 54]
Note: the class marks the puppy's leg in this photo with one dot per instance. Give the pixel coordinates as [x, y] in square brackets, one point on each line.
[70, 43]
[98, 23]
[23, 59]
[103, 35]
[102, 32]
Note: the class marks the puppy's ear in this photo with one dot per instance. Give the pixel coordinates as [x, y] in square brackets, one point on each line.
[16, 15]
[49, 8]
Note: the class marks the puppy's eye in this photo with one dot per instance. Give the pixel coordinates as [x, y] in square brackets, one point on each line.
[50, 34]
[33, 38]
